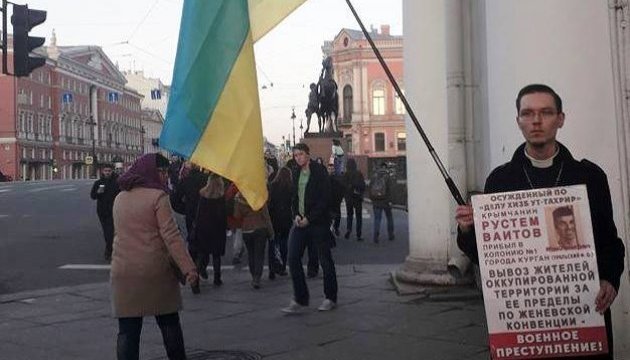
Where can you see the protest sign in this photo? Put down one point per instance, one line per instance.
(539, 273)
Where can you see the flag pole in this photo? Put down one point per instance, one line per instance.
(449, 181)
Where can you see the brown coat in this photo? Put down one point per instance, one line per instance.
(253, 220)
(143, 282)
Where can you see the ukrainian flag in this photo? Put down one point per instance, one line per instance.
(213, 115)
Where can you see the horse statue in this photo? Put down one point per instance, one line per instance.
(328, 98)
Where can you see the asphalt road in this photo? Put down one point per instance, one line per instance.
(48, 227)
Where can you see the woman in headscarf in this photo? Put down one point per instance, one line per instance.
(210, 227)
(147, 246)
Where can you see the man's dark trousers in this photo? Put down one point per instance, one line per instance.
(378, 215)
(107, 222)
(297, 243)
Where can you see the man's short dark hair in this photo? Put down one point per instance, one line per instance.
(562, 211)
(538, 88)
(107, 166)
(302, 147)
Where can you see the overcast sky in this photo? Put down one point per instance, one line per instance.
(143, 34)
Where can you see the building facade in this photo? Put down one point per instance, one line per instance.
(67, 116)
(155, 93)
(152, 122)
(371, 115)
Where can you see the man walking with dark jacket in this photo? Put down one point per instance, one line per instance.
(104, 191)
(311, 205)
(380, 192)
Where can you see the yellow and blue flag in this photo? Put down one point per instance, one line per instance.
(213, 117)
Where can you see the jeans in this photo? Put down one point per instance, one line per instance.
(378, 215)
(336, 212)
(129, 329)
(107, 223)
(320, 235)
(256, 242)
(354, 207)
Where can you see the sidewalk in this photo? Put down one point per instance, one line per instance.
(371, 322)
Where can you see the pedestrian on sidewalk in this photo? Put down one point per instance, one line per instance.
(355, 187)
(104, 191)
(234, 225)
(380, 192)
(280, 197)
(210, 228)
(257, 230)
(543, 162)
(187, 192)
(337, 191)
(146, 247)
(311, 206)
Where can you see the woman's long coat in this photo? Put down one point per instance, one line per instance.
(142, 278)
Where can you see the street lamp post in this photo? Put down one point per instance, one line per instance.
(301, 129)
(293, 120)
(92, 124)
(142, 132)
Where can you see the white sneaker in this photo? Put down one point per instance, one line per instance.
(294, 308)
(327, 305)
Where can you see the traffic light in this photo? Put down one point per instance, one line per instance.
(23, 20)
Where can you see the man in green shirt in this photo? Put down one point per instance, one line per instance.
(311, 205)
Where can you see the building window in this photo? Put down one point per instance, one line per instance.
(29, 122)
(401, 140)
(378, 101)
(379, 142)
(400, 107)
(347, 103)
(348, 138)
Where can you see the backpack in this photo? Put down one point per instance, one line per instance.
(378, 188)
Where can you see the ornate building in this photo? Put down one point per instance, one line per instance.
(68, 116)
(371, 114)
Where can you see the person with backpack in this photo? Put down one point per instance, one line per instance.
(380, 192)
(355, 187)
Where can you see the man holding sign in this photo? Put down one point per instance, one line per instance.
(542, 162)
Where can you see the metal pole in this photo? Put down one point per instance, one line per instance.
(449, 182)
(5, 33)
(293, 120)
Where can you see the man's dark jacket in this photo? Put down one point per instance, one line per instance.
(105, 201)
(317, 195)
(512, 177)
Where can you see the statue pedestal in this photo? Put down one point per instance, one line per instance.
(320, 144)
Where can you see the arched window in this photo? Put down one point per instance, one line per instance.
(347, 103)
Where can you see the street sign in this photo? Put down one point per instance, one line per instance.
(89, 160)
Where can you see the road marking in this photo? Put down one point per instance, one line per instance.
(5, 190)
(3, 216)
(85, 267)
(49, 188)
(71, 189)
(108, 267)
